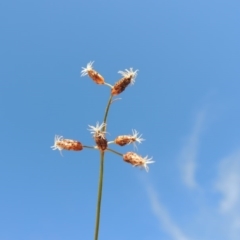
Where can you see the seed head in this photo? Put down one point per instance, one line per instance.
(101, 143)
(94, 75)
(127, 139)
(136, 160)
(99, 136)
(128, 77)
(67, 144)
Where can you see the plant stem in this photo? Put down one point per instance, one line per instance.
(109, 85)
(100, 182)
(99, 199)
(106, 112)
(90, 147)
(118, 153)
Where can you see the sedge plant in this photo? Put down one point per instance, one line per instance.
(99, 133)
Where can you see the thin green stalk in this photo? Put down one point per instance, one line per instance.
(99, 199)
(106, 111)
(89, 147)
(113, 151)
(109, 85)
(100, 182)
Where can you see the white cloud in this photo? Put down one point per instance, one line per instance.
(228, 184)
(211, 217)
(188, 156)
(164, 218)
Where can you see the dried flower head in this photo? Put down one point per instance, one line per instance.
(99, 136)
(136, 160)
(94, 75)
(101, 143)
(60, 143)
(128, 77)
(127, 139)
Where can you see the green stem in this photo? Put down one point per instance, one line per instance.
(106, 112)
(90, 147)
(118, 153)
(99, 199)
(109, 85)
(100, 182)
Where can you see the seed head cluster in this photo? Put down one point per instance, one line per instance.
(99, 131)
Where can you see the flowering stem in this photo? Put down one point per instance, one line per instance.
(100, 182)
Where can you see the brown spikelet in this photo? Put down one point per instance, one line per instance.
(68, 144)
(127, 139)
(96, 77)
(101, 142)
(120, 86)
(133, 158)
(123, 140)
(93, 74)
(136, 160)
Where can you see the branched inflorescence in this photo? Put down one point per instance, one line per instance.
(99, 131)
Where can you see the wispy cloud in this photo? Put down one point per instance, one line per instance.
(228, 184)
(164, 218)
(188, 155)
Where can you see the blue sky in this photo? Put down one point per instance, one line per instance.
(185, 102)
